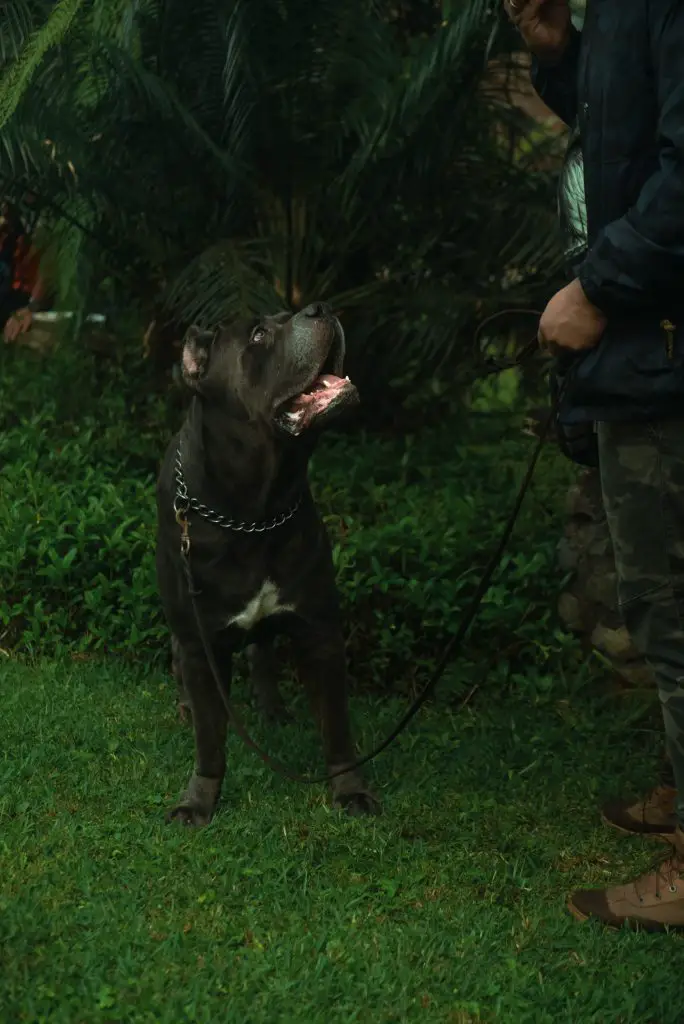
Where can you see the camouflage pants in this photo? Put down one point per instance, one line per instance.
(642, 477)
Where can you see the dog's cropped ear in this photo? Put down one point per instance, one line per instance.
(196, 348)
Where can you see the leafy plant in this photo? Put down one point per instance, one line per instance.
(412, 522)
(205, 159)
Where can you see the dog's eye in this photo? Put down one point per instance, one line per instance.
(258, 335)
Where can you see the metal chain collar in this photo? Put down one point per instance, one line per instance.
(184, 501)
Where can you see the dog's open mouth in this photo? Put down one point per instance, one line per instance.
(326, 397)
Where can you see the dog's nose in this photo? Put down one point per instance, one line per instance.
(317, 309)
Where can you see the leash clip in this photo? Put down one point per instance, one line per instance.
(181, 505)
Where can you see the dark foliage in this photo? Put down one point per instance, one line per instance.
(225, 155)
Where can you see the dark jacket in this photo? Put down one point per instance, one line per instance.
(621, 81)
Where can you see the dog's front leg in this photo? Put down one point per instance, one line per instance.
(184, 711)
(210, 721)
(321, 663)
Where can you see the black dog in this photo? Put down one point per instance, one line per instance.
(261, 391)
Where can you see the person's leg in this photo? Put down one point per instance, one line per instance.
(651, 814)
(642, 477)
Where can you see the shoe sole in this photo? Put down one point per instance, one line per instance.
(577, 914)
(632, 923)
(667, 836)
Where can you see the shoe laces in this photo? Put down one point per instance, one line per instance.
(656, 799)
(668, 871)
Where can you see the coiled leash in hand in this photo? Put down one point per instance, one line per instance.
(453, 646)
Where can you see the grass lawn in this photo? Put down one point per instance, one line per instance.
(450, 907)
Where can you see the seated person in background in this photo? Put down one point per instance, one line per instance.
(22, 289)
(11, 231)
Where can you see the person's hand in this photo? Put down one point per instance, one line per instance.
(19, 323)
(571, 321)
(544, 25)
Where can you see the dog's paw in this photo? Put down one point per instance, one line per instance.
(192, 815)
(359, 805)
(196, 805)
(353, 796)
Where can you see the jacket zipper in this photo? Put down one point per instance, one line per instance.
(669, 329)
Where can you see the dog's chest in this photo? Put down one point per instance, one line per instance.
(265, 603)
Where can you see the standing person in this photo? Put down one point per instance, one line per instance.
(620, 83)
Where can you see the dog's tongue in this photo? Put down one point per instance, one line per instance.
(328, 393)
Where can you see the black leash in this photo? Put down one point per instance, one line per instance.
(454, 644)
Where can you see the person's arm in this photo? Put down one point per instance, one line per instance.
(639, 258)
(556, 83)
(22, 319)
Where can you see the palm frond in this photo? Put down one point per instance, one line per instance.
(224, 283)
(140, 90)
(235, 155)
(15, 28)
(18, 76)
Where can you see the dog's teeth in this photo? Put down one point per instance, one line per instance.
(326, 383)
(294, 415)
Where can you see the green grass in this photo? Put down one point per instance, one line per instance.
(450, 907)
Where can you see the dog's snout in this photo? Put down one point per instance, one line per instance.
(317, 309)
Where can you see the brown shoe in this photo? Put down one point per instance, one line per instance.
(654, 902)
(653, 815)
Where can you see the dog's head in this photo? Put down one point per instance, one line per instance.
(286, 368)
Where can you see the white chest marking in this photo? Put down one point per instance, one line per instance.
(265, 603)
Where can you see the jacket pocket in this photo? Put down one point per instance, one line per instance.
(639, 365)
